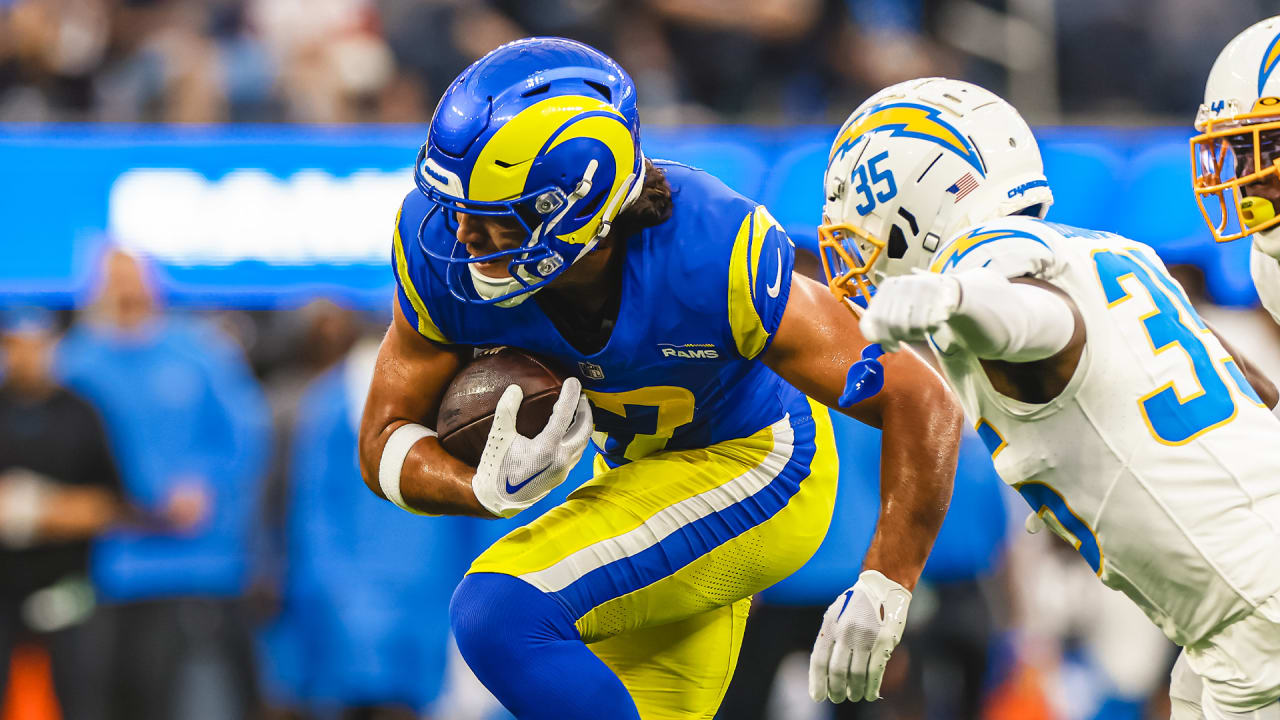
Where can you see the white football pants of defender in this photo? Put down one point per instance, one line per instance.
(1206, 683)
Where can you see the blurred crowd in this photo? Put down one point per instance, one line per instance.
(240, 568)
(337, 61)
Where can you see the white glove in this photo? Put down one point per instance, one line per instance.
(859, 631)
(515, 471)
(909, 307)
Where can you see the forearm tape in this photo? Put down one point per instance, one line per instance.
(391, 465)
(1002, 320)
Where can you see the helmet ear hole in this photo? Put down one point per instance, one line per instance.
(897, 243)
(591, 205)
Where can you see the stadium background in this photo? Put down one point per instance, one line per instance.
(252, 153)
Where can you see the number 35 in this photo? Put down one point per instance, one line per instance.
(867, 175)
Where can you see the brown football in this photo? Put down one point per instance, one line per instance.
(466, 411)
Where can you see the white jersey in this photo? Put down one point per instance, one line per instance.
(1266, 278)
(1158, 461)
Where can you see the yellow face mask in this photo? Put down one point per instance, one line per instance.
(848, 253)
(1219, 155)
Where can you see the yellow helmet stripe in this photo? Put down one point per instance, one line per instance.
(517, 143)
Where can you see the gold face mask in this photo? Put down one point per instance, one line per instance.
(848, 254)
(1231, 161)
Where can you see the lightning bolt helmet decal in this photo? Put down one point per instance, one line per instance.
(1269, 59)
(904, 119)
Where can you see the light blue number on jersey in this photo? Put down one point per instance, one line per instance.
(866, 176)
(1045, 500)
(1174, 419)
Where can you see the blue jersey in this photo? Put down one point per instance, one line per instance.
(702, 296)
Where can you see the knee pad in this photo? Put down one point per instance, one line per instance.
(522, 644)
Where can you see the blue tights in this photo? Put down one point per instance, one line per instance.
(523, 645)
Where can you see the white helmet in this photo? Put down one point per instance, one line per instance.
(913, 165)
(1234, 148)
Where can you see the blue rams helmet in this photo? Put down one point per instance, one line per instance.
(543, 131)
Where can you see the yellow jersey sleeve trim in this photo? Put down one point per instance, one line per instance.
(426, 326)
(744, 322)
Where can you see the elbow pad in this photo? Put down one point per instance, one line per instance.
(1001, 320)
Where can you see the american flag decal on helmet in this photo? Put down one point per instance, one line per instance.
(963, 186)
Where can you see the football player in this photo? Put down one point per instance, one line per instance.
(1236, 176)
(539, 223)
(1129, 427)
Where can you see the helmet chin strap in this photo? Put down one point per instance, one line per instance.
(636, 180)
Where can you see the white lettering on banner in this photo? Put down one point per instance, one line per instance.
(181, 217)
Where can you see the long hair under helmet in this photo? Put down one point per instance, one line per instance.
(541, 130)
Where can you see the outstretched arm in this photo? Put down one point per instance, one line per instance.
(1028, 333)
(1262, 384)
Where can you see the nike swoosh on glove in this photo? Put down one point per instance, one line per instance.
(516, 471)
(859, 632)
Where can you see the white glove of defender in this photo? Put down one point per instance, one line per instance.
(909, 307)
(859, 631)
(515, 471)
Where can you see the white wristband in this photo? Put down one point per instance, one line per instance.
(392, 462)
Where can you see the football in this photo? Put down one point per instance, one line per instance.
(466, 411)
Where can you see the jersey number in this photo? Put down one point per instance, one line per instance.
(1052, 508)
(865, 176)
(664, 408)
(1173, 417)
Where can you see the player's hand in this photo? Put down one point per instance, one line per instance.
(859, 631)
(909, 307)
(515, 471)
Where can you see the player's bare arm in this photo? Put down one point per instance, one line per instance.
(816, 343)
(1262, 384)
(408, 381)
(920, 419)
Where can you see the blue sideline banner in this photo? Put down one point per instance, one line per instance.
(273, 216)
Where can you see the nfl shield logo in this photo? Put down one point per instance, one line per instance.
(591, 371)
